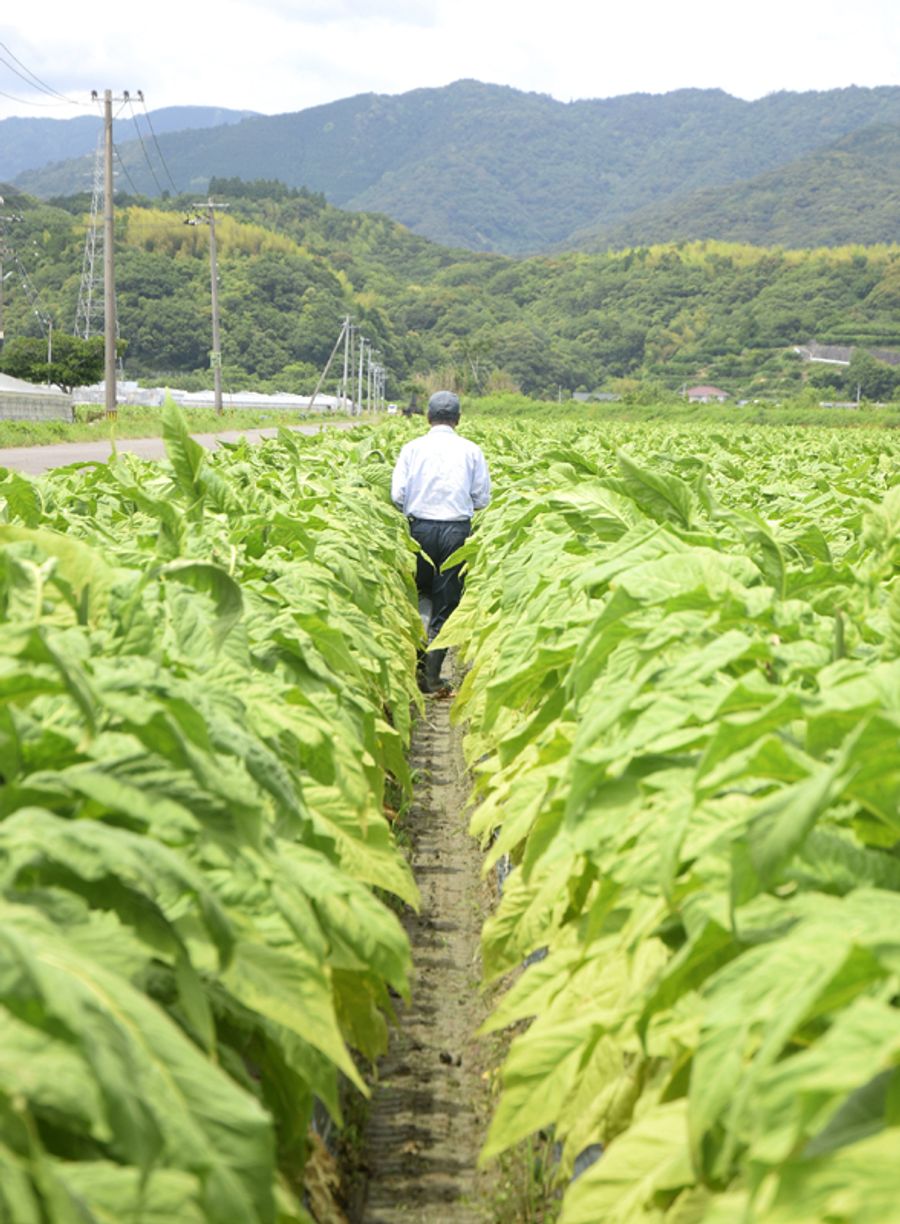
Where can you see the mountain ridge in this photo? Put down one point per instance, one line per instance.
(28, 144)
(492, 168)
(852, 186)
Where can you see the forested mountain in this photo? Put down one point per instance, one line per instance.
(26, 144)
(846, 193)
(491, 168)
(291, 267)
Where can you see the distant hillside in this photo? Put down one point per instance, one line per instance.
(292, 268)
(26, 144)
(847, 193)
(493, 169)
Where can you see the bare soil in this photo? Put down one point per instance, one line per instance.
(430, 1107)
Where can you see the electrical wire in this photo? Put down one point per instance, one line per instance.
(124, 100)
(25, 101)
(137, 129)
(34, 297)
(35, 81)
(124, 169)
(156, 142)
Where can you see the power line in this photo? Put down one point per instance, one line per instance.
(125, 99)
(25, 101)
(32, 79)
(124, 169)
(215, 356)
(144, 149)
(33, 295)
(155, 141)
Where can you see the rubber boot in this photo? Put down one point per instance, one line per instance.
(433, 663)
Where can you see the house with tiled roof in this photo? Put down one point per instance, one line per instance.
(705, 394)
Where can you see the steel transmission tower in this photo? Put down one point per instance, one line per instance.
(90, 294)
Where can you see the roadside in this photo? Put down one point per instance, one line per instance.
(33, 460)
(430, 1106)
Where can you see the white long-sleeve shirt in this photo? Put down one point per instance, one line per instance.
(442, 476)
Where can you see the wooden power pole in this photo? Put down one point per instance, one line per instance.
(110, 324)
(215, 356)
(109, 267)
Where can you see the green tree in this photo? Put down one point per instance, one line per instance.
(874, 379)
(74, 362)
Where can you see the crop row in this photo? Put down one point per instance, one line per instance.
(683, 717)
(205, 683)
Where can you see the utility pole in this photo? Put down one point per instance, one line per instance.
(346, 361)
(215, 356)
(359, 393)
(110, 326)
(344, 326)
(109, 267)
(354, 333)
(374, 380)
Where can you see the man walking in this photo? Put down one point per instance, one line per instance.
(439, 480)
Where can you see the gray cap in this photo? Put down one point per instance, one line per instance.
(443, 406)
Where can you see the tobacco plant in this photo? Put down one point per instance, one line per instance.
(206, 670)
(683, 716)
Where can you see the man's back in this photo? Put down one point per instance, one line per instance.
(439, 481)
(441, 476)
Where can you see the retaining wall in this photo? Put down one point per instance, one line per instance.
(32, 406)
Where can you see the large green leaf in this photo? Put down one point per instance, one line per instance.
(647, 1164)
(186, 456)
(82, 575)
(163, 1100)
(213, 581)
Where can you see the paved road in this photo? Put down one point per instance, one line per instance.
(36, 459)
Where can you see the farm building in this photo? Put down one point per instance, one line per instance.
(25, 401)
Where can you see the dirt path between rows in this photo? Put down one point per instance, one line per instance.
(429, 1111)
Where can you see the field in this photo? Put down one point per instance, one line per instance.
(683, 720)
(679, 654)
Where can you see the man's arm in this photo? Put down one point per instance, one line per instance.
(398, 481)
(481, 483)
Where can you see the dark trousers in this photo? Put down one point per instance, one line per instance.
(438, 540)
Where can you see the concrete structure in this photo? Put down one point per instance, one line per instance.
(828, 354)
(840, 354)
(25, 401)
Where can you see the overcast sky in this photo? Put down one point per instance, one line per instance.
(284, 55)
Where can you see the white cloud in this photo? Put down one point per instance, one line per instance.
(284, 55)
